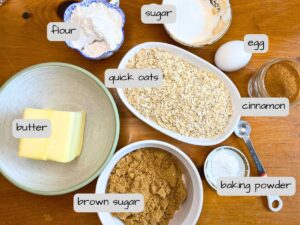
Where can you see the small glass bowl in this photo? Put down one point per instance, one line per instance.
(256, 85)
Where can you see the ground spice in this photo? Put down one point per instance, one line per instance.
(155, 174)
(283, 80)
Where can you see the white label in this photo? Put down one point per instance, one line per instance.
(133, 78)
(108, 203)
(256, 186)
(263, 107)
(256, 43)
(158, 14)
(31, 128)
(62, 31)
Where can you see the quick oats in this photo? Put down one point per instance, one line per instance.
(192, 101)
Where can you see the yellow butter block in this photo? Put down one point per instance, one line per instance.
(65, 142)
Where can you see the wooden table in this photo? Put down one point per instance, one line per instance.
(23, 43)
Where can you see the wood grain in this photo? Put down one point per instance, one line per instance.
(23, 43)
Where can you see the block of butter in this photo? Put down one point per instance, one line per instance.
(65, 141)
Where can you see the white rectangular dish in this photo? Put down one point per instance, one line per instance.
(199, 62)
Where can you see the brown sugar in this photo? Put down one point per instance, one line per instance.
(157, 175)
(283, 80)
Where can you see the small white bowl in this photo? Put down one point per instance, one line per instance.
(189, 211)
(226, 15)
(202, 64)
(213, 153)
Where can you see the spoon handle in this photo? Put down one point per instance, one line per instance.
(259, 166)
(274, 199)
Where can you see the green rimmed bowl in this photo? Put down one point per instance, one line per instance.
(58, 86)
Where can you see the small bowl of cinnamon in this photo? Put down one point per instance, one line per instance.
(277, 78)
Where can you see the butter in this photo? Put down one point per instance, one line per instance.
(65, 142)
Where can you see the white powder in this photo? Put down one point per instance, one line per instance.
(197, 21)
(100, 29)
(226, 163)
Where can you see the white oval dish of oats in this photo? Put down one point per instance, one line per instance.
(200, 129)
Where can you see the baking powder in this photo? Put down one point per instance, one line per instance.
(226, 163)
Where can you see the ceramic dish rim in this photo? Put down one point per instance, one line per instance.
(156, 144)
(239, 152)
(114, 144)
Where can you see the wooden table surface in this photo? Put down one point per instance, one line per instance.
(23, 43)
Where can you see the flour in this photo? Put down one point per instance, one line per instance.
(100, 29)
(226, 163)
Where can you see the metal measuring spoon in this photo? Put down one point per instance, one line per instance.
(243, 131)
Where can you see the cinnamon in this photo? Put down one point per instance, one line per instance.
(283, 80)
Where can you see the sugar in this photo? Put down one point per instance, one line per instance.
(197, 21)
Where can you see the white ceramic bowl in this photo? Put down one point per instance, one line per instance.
(226, 13)
(201, 63)
(66, 87)
(189, 212)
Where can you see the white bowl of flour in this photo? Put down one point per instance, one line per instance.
(101, 27)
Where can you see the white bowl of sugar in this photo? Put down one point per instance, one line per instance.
(199, 22)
